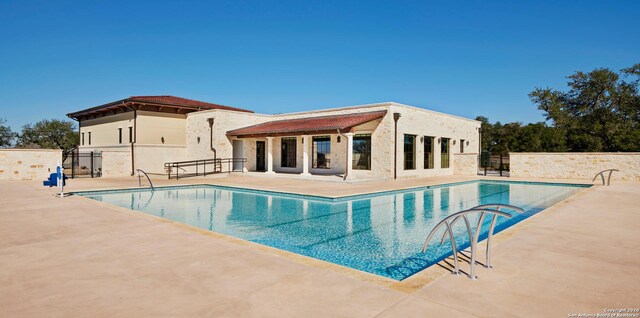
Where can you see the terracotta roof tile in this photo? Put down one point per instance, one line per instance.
(174, 100)
(309, 125)
(190, 105)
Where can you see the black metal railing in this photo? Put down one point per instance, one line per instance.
(82, 164)
(203, 167)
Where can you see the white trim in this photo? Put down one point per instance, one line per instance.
(326, 110)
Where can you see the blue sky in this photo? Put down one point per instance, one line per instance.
(465, 58)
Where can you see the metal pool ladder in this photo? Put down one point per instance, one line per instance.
(449, 222)
(148, 179)
(601, 174)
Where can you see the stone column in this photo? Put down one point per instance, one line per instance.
(349, 156)
(270, 155)
(305, 155)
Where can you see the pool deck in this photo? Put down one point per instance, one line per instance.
(75, 257)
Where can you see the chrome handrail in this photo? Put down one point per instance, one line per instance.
(148, 179)
(601, 174)
(493, 225)
(497, 207)
(450, 221)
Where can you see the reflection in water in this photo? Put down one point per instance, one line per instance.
(381, 234)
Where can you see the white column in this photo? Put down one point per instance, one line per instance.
(270, 155)
(305, 155)
(349, 156)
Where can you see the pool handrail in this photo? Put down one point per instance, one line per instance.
(148, 179)
(473, 235)
(497, 207)
(601, 174)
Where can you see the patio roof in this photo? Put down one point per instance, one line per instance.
(161, 103)
(308, 125)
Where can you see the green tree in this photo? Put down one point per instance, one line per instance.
(539, 137)
(49, 134)
(6, 135)
(516, 137)
(600, 112)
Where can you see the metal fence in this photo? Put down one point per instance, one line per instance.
(493, 164)
(203, 167)
(79, 164)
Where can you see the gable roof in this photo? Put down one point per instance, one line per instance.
(308, 125)
(165, 103)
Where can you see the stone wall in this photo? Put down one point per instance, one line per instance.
(116, 163)
(465, 164)
(575, 165)
(426, 123)
(414, 121)
(199, 135)
(28, 164)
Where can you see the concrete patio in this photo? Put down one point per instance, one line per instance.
(75, 257)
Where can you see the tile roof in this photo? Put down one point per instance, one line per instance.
(309, 125)
(189, 105)
(174, 100)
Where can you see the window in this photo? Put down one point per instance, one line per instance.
(89, 138)
(361, 152)
(409, 152)
(83, 139)
(288, 155)
(428, 152)
(444, 153)
(461, 145)
(130, 135)
(119, 135)
(321, 151)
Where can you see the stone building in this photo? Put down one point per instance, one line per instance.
(374, 141)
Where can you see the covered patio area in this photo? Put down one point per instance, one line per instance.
(311, 146)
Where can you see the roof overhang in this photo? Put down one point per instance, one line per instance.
(318, 125)
(146, 104)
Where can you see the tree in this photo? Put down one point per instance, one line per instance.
(6, 135)
(50, 134)
(600, 112)
(539, 137)
(499, 139)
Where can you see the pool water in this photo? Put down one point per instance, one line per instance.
(380, 233)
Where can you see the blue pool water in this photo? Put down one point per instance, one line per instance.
(379, 233)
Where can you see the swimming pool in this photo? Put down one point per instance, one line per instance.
(380, 233)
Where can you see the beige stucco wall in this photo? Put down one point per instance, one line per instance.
(564, 165)
(150, 128)
(116, 163)
(104, 130)
(28, 164)
(148, 157)
(151, 158)
(150, 153)
(465, 164)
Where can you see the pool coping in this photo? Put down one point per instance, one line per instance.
(407, 285)
(329, 197)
